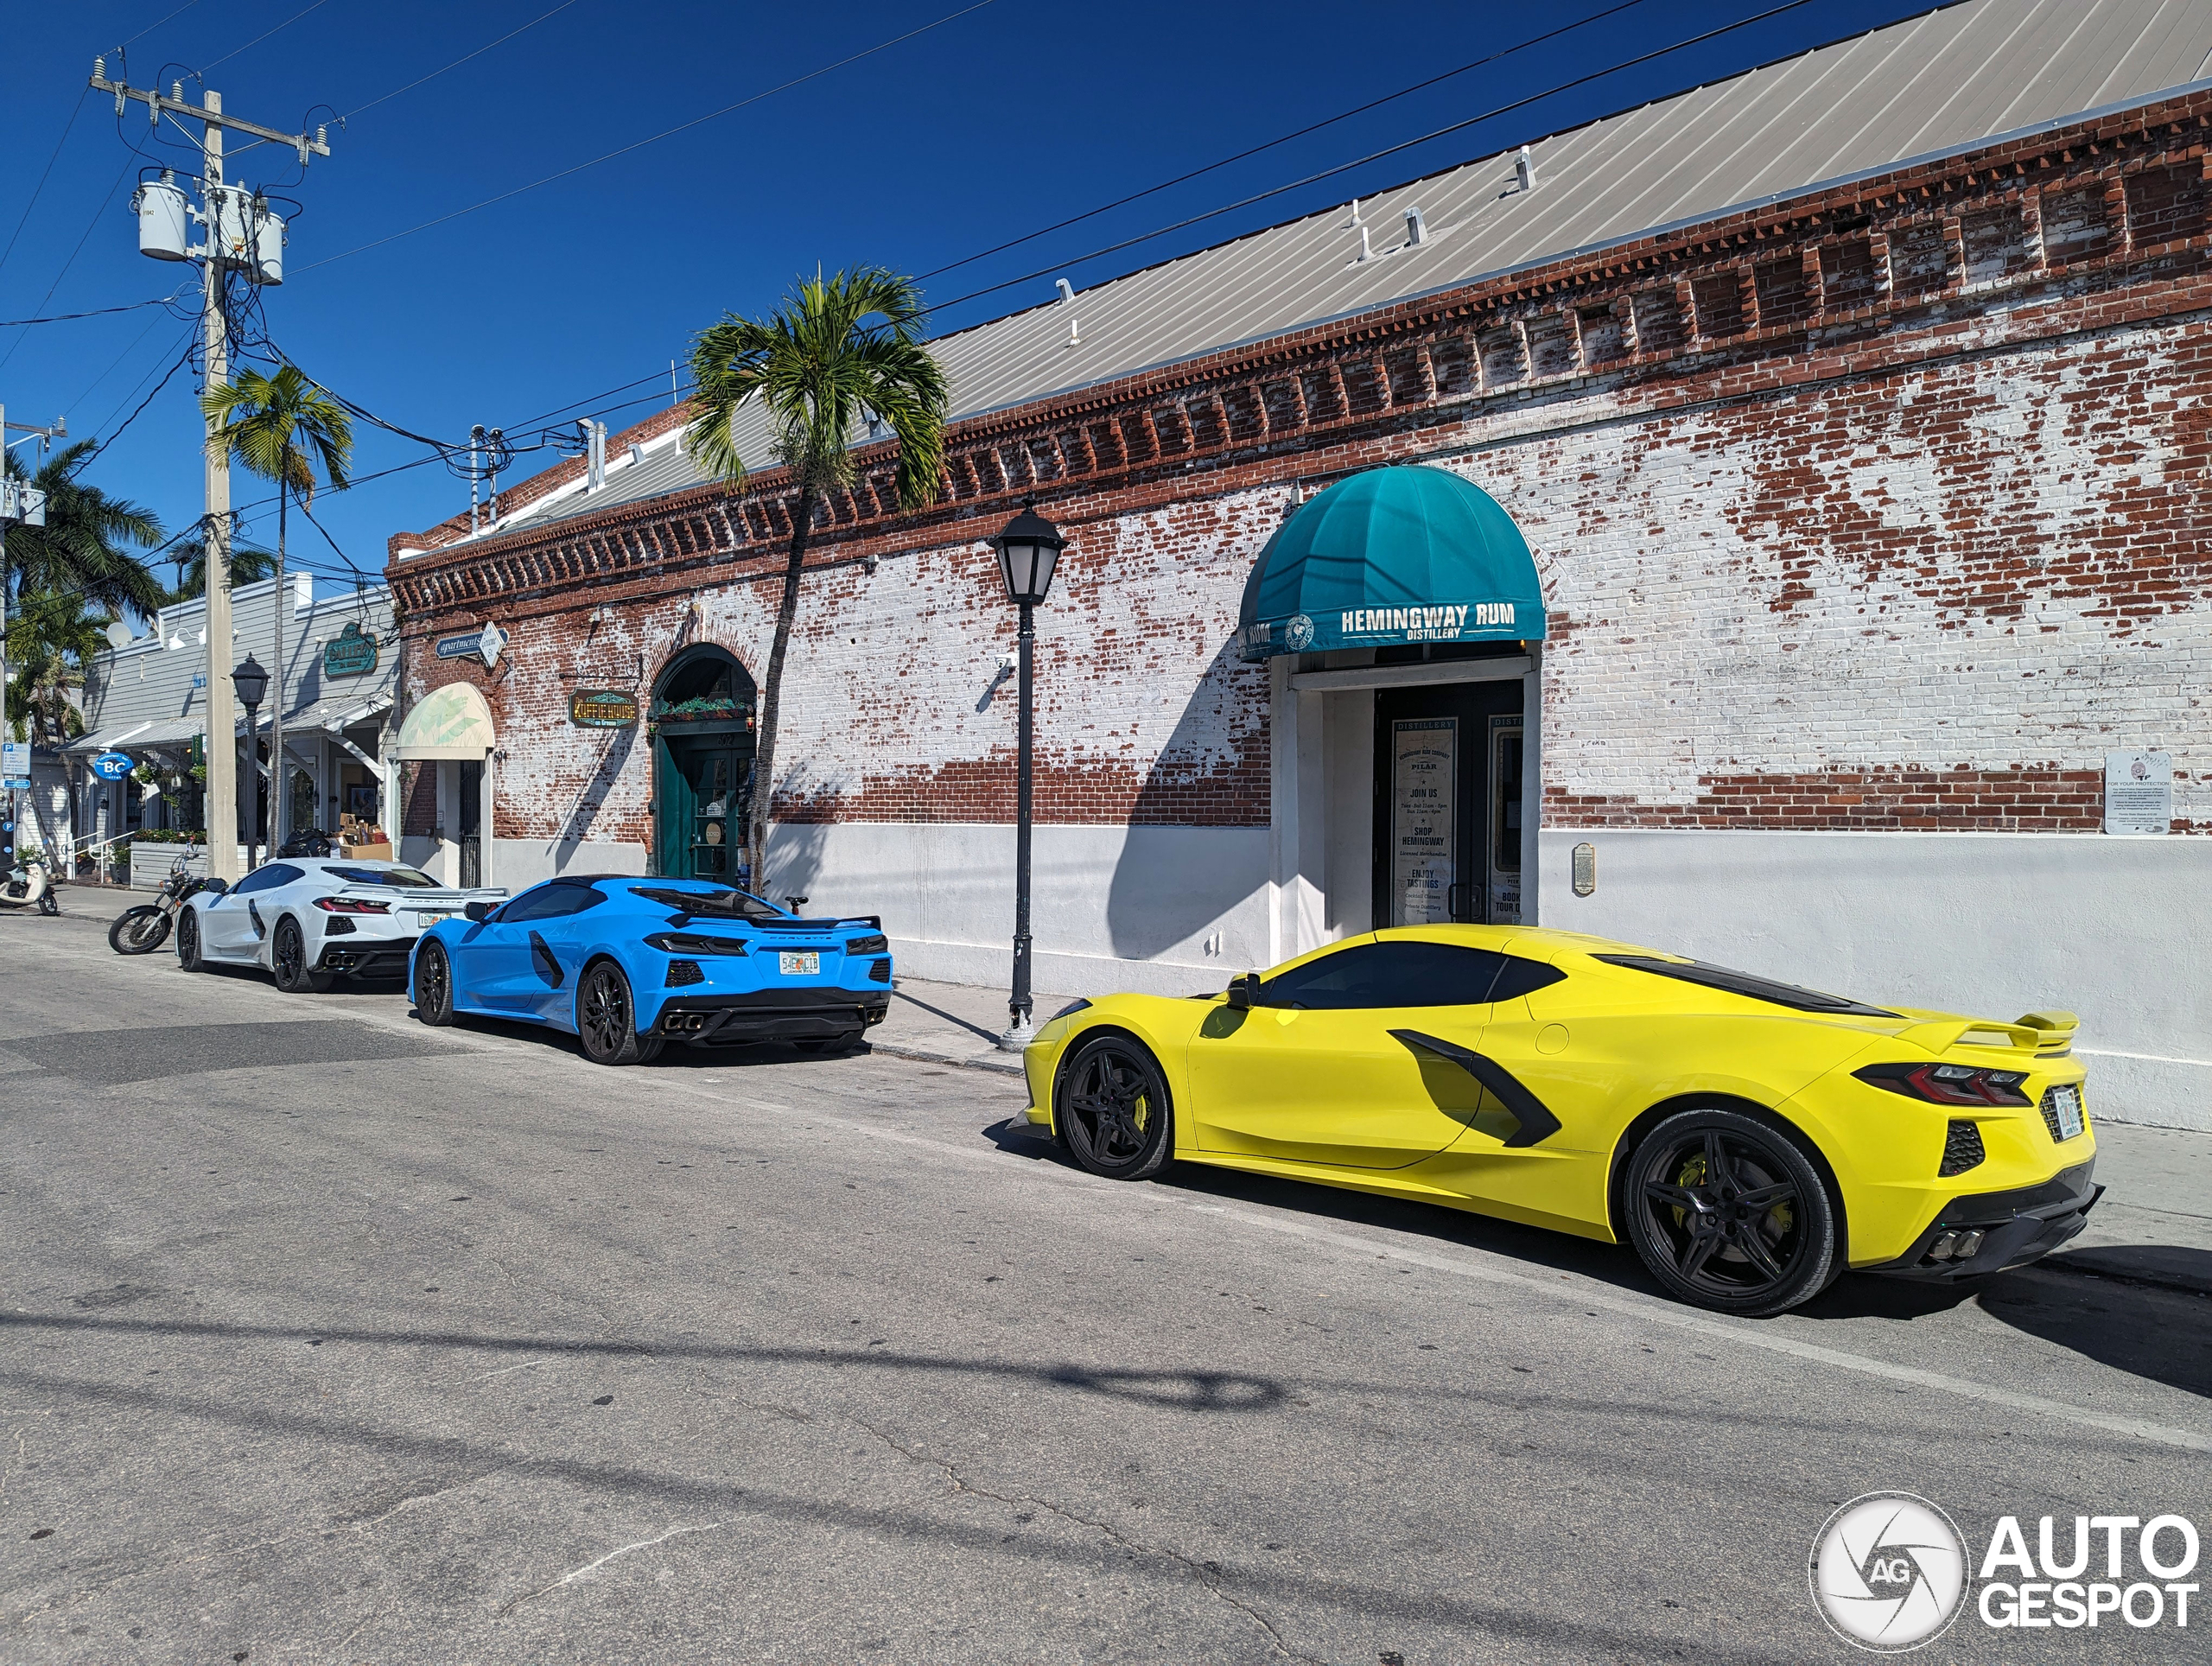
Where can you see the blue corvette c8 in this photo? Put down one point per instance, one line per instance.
(627, 965)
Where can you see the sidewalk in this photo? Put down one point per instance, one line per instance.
(953, 1024)
(2153, 1225)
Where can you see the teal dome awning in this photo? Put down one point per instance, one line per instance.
(1393, 555)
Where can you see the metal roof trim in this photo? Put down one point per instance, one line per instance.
(1747, 205)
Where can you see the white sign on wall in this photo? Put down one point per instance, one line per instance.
(2139, 791)
(1424, 757)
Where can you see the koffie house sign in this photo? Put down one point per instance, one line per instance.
(602, 708)
(352, 654)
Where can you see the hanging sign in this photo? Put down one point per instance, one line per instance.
(352, 654)
(602, 708)
(113, 765)
(484, 644)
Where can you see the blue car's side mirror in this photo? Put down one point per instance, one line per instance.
(479, 911)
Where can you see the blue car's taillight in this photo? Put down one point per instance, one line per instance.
(877, 944)
(691, 942)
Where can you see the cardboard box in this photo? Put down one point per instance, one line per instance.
(366, 852)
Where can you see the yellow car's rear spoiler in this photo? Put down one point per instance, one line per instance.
(2032, 1032)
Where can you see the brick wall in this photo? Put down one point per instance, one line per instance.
(1879, 508)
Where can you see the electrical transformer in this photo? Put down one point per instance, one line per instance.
(162, 225)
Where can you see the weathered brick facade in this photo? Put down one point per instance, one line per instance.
(1880, 508)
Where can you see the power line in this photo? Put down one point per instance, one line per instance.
(67, 127)
(263, 35)
(157, 23)
(1313, 127)
(457, 62)
(640, 144)
(90, 226)
(1377, 155)
(97, 312)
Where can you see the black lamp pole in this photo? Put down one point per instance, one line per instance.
(250, 682)
(1027, 549)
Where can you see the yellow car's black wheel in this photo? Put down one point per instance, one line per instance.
(1729, 1213)
(1113, 1109)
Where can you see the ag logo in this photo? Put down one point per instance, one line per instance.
(1889, 1572)
(1297, 633)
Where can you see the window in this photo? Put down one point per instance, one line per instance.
(552, 900)
(1519, 977)
(265, 879)
(722, 903)
(401, 878)
(1744, 983)
(1390, 975)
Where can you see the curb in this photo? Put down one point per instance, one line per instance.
(2129, 1266)
(1002, 1065)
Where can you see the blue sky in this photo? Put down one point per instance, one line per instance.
(1007, 117)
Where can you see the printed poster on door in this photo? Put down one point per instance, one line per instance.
(1424, 768)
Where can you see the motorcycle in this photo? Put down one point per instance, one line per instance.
(31, 886)
(142, 929)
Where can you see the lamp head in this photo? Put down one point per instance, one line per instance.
(250, 682)
(1028, 547)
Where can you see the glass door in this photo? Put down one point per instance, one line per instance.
(468, 818)
(1447, 804)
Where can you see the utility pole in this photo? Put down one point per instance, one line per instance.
(238, 229)
(24, 503)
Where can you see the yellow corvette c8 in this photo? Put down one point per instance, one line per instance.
(1751, 1140)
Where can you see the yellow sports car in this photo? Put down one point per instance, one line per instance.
(1751, 1140)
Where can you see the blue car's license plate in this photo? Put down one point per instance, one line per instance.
(804, 963)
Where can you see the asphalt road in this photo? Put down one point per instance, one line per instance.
(328, 1337)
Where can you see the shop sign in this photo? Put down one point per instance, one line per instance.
(484, 643)
(353, 654)
(602, 708)
(113, 765)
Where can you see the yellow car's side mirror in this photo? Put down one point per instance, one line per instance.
(1241, 991)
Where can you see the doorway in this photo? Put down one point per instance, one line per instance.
(468, 816)
(703, 761)
(1448, 834)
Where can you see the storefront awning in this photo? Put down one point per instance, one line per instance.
(1391, 557)
(335, 716)
(142, 736)
(448, 722)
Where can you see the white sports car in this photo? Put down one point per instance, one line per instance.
(309, 919)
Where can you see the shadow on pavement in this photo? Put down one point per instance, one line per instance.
(2146, 1330)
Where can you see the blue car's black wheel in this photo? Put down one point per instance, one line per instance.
(433, 985)
(606, 1019)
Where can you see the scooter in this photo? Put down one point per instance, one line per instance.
(31, 886)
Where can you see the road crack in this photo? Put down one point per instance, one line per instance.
(575, 1574)
(1208, 1575)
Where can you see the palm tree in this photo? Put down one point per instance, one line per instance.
(250, 564)
(841, 351)
(51, 638)
(282, 427)
(81, 549)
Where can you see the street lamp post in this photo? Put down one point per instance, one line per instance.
(251, 682)
(1028, 547)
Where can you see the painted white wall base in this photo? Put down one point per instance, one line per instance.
(1993, 924)
(1156, 909)
(520, 862)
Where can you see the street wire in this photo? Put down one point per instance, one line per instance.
(1377, 155)
(681, 127)
(263, 35)
(157, 23)
(90, 227)
(67, 128)
(1313, 127)
(97, 312)
(457, 62)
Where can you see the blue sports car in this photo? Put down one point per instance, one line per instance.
(629, 964)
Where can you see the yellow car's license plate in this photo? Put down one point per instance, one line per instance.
(799, 963)
(2066, 1110)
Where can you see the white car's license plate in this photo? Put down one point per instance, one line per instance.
(426, 919)
(799, 963)
(2066, 1106)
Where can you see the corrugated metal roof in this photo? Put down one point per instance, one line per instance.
(1933, 84)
